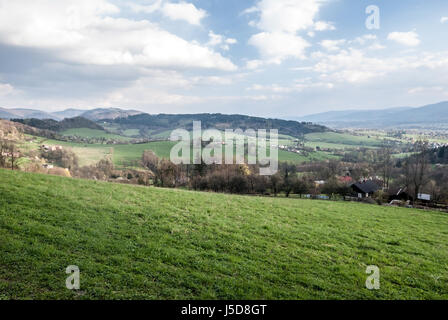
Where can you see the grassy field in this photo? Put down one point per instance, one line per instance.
(135, 242)
(125, 154)
(92, 133)
(341, 140)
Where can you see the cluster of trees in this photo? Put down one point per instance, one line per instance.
(56, 126)
(9, 154)
(414, 173)
(64, 158)
(240, 179)
(168, 121)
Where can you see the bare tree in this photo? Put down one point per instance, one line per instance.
(385, 163)
(416, 168)
(3, 153)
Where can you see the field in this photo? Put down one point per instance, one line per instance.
(341, 140)
(135, 242)
(92, 133)
(129, 154)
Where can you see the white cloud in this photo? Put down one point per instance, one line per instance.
(354, 66)
(280, 21)
(184, 11)
(332, 45)
(298, 86)
(277, 46)
(420, 90)
(287, 15)
(444, 20)
(254, 64)
(87, 32)
(157, 5)
(219, 40)
(410, 38)
(323, 26)
(5, 89)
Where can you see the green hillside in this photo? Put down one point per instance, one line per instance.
(135, 242)
(93, 133)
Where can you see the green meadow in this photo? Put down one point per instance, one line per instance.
(134, 242)
(92, 133)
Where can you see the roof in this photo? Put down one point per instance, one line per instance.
(367, 187)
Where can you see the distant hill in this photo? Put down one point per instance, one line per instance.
(68, 113)
(108, 114)
(434, 115)
(94, 114)
(219, 121)
(25, 114)
(57, 126)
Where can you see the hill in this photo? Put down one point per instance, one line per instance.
(433, 115)
(68, 113)
(108, 114)
(25, 113)
(57, 126)
(135, 242)
(93, 114)
(163, 122)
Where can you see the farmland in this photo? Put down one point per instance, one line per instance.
(135, 242)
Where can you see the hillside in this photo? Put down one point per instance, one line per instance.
(404, 117)
(147, 243)
(57, 126)
(25, 113)
(93, 114)
(163, 122)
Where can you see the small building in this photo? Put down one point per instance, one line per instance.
(424, 197)
(365, 189)
(400, 194)
(345, 179)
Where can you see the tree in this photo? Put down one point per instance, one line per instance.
(385, 163)
(301, 186)
(9, 154)
(275, 183)
(150, 161)
(416, 168)
(3, 153)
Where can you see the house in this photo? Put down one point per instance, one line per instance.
(345, 179)
(365, 189)
(318, 183)
(401, 194)
(46, 148)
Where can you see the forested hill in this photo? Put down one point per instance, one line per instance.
(53, 125)
(218, 121)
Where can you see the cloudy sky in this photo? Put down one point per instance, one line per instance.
(281, 58)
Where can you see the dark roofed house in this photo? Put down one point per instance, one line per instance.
(366, 188)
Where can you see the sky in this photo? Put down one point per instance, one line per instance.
(273, 58)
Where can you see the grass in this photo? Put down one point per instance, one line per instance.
(125, 155)
(343, 140)
(92, 133)
(135, 242)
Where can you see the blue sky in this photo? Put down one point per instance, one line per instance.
(276, 58)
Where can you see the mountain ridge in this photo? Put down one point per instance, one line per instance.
(427, 115)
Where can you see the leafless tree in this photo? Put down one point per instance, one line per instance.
(385, 163)
(416, 168)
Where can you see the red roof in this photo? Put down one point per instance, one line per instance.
(345, 179)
